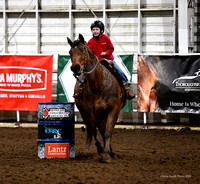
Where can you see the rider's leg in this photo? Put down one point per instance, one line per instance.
(126, 82)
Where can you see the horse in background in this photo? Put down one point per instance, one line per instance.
(148, 86)
(101, 100)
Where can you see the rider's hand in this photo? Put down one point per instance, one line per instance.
(103, 53)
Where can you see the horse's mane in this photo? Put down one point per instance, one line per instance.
(75, 43)
(92, 56)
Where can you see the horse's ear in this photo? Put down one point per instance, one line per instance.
(69, 41)
(81, 38)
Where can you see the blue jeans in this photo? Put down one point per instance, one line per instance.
(121, 73)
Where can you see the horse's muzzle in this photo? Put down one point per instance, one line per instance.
(76, 70)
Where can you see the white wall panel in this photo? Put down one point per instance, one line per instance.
(54, 4)
(127, 4)
(158, 37)
(127, 49)
(157, 3)
(153, 48)
(21, 33)
(58, 19)
(1, 4)
(157, 31)
(1, 24)
(123, 33)
(15, 48)
(54, 30)
(21, 5)
(85, 4)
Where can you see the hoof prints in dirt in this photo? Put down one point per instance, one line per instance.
(150, 156)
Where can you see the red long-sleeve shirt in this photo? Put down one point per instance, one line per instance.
(102, 44)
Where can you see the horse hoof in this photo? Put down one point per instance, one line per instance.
(100, 151)
(113, 156)
(105, 158)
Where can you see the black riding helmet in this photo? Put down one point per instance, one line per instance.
(98, 24)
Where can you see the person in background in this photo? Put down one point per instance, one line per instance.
(102, 47)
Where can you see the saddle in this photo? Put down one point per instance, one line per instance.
(109, 65)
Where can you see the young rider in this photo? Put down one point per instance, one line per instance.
(102, 47)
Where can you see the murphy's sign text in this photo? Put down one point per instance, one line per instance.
(25, 81)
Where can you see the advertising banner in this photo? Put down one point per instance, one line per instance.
(57, 150)
(25, 81)
(66, 80)
(169, 84)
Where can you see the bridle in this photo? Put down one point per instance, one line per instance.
(83, 67)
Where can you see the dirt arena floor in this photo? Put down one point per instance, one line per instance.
(144, 156)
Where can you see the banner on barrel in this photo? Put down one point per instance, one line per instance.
(66, 80)
(25, 81)
(56, 136)
(168, 84)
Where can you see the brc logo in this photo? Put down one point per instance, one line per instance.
(57, 150)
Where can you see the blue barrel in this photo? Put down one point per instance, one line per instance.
(56, 130)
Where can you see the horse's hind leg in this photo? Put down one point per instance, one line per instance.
(100, 149)
(92, 131)
(89, 135)
(112, 154)
(98, 143)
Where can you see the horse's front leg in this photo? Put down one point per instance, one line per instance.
(111, 120)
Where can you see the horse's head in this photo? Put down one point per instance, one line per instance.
(79, 54)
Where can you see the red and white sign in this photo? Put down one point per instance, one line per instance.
(57, 150)
(25, 81)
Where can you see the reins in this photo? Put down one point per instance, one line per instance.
(94, 66)
(92, 69)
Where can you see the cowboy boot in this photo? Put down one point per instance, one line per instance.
(130, 94)
(79, 92)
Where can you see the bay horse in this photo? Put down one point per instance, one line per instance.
(101, 100)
